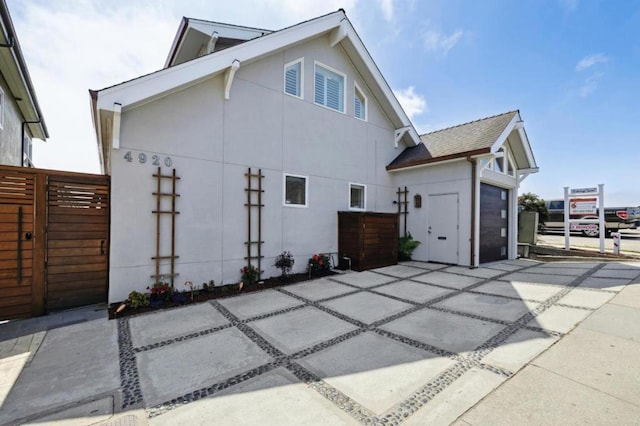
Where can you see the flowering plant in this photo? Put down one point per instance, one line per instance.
(284, 262)
(160, 292)
(249, 274)
(319, 264)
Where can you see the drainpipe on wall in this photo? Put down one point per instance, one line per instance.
(474, 177)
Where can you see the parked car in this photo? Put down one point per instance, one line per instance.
(615, 218)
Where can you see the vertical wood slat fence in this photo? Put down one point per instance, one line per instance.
(54, 247)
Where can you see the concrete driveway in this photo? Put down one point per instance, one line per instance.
(416, 343)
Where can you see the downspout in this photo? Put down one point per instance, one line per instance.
(474, 178)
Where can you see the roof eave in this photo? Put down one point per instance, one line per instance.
(37, 126)
(437, 160)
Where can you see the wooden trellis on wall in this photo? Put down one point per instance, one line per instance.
(254, 211)
(403, 206)
(160, 211)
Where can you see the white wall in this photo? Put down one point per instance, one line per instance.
(212, 142)
(447, 178)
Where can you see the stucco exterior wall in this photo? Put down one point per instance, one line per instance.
(447, 178)
(211, 143)
(11, 131)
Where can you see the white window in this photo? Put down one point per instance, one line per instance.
(293, 78)
(295, 190)
(329, 88)
(27, 152)
(357, 196)
(359, 103)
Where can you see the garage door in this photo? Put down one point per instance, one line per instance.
(494, 223)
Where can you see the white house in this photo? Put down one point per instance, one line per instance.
(307, 108)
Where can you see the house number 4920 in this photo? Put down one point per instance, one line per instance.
(142, 158)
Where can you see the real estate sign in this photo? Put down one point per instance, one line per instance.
(583, 206)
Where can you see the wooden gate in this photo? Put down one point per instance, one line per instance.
(54, 229)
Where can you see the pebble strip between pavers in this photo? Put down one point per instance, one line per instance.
(132, 392)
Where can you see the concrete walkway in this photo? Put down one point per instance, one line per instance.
(416, 343)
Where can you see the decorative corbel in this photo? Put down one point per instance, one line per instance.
(228, 78)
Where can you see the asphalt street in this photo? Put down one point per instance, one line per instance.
(630, 243)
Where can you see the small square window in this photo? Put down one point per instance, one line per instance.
(503, 195)
(293, 78)
(357, 195)
(359, 103)
(329, 88)
(295, 190)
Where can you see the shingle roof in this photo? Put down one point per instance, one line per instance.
(470, 138)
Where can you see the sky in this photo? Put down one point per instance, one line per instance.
(572, 68)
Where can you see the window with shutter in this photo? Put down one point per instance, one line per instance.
(329, 88)
(359, 103)
(293, 78)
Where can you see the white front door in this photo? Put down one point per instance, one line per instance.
(442, 228)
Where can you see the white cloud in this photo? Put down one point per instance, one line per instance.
(435, 41)
(590, 85)
(387, 9)
(591, 60)
(413, 103)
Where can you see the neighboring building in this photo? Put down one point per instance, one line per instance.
(20, 116)
(308, 107)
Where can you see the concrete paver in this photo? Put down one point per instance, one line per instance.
(319, 289)
(474, 272)
(346, 350)
(495, 307)
(609, 284)
(399, 271)
(451, 332)
(375, 371)
(533, 278)
(276, 397)
(253, 304)
(160, 326)
(170, 371)
(519, 290)
(365, 278)
(410, 290)
(299, 329)
(367, 307)
(447, 280)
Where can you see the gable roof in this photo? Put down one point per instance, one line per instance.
(484, 136)
(16, 75)
(193, 33)
(107, 103)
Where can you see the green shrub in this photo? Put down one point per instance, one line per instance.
(284, 262)
(406, 246)
(138, 300)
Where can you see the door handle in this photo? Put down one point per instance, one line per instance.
(102, 247)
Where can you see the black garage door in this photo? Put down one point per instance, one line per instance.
(494, 223)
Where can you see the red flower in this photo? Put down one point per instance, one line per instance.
(315, 257)
(321, 262)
